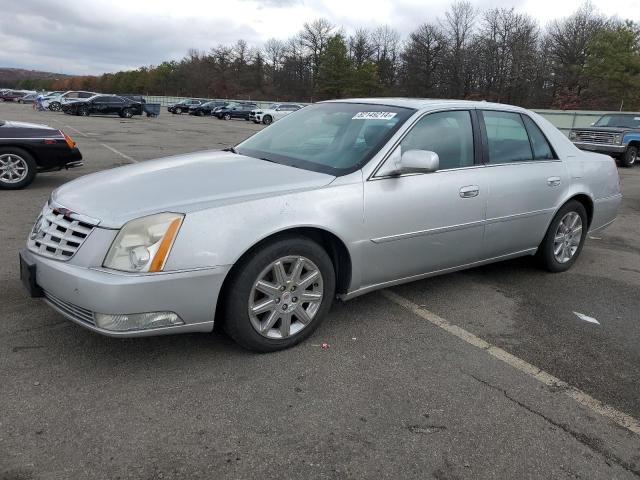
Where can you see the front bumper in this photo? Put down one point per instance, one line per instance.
(600, 147)
(79, 292)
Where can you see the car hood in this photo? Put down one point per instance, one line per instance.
(181, 184)
(12, 124)
(603, 129)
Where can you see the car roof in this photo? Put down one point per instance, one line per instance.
(429, 103)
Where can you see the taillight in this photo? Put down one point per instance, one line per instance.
(69, 140)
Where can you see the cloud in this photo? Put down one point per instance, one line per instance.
(96, 36)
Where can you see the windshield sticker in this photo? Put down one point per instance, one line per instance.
(373, 116)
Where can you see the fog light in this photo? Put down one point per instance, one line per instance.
(137, 321)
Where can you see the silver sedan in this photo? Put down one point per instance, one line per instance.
(335, 200)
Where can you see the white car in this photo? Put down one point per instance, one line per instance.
(273, 113)
(55, 102)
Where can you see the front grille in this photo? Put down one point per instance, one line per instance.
(71, 310)
(57, 234)
(606, 138)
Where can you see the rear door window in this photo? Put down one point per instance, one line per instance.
(541, 148)
(506, 137)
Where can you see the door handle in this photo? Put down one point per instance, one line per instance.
(469, 191)
(553, 181)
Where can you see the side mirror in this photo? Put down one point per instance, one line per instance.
(419, 161)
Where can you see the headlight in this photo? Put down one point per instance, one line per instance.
(572, 135)
(259, 113)
(617, 138)
(143, 245)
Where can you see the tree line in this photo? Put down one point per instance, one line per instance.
(586, 60)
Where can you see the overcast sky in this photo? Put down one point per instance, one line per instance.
(96, 36)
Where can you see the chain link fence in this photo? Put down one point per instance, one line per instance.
(564, 120)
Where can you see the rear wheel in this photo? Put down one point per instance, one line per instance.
(17, 168)
(278, 296)
(565, 238)
(267, 120)
(630, 157)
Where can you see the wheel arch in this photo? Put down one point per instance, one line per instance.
(586, 202)
(334, 246)
(26, 148)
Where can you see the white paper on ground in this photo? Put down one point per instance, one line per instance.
(586, 318)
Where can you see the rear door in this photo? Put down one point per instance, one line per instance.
(526, 182)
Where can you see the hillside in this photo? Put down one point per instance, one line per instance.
(14, 77)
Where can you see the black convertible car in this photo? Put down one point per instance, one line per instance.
(104, 105)
(27, 148)
(206, 108)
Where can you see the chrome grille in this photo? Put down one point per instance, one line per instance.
(588, 136)
(69, 309)
(57, 234)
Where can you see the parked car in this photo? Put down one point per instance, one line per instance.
(183, 106)
(338, 198)
(26, 149)
(12, 95)
(206, 108)
(273, 113)
(615, 134)
(28, 98)
(239, 110)
(55, 102)
(104, 105)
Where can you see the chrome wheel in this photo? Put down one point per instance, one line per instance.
(286, 297)
(13, 168)
(567, 238)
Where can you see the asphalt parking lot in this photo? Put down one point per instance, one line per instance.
(415, 383)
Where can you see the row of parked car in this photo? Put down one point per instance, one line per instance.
(226, 110)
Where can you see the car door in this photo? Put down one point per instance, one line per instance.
(526, 183)
(422, 223)
(99, 105)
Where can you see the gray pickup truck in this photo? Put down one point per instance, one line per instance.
(615, 134)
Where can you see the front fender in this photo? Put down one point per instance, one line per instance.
(219, 236)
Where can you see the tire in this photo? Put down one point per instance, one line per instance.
(630, 157)
(179, 111)
(83, 112)
(240, 293)
(267, 120)
(226, 116)
(55, 106)
(549, 246)
(10, 154)
(127, 113)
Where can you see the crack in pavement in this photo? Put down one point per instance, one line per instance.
(591, 443)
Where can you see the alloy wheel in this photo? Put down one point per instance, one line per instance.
(286, 297)
(13, 168)
(567, 237)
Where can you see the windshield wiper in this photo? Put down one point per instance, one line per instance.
(230, 149)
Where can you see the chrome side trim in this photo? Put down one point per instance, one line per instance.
(462, 226)
(378, 286)
(431, 231)
(520, 215)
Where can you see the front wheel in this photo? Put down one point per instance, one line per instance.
(127, 113)
(278, 295)
(267, 120)
(55, 106)
(227, 116)
(84, 112)
(17, 168)
(565, 238)
(630, 157)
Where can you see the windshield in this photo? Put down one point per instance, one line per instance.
(624, 121)
(333, 138)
